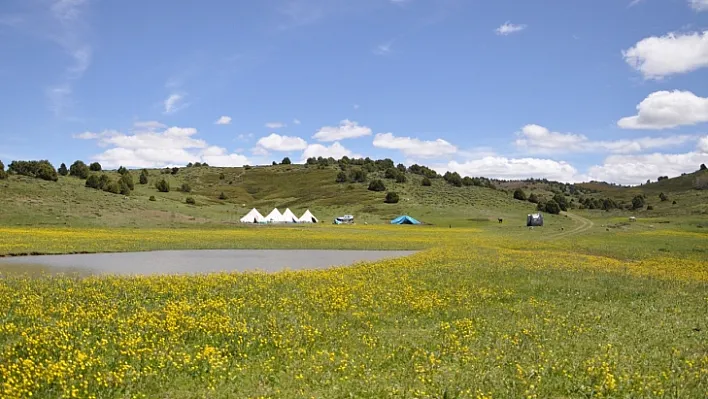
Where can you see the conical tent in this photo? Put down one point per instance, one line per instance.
(274, 216)
(308, 217)
(405, 219)
(289, 216)
(253, 216)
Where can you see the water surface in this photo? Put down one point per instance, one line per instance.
(191, 262)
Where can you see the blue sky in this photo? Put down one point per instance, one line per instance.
(609, 90)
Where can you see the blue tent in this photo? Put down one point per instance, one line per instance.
(405, 219)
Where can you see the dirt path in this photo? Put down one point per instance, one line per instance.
(582, 226)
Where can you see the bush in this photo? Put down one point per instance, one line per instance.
(3, 174)
(552, 207)
(95, 167)
(93, 182)
(176, 169)
(222, 176)
(561, 201)
(638, 202)
(128, 180)
(143, 177)
(467, 181)
(223, 196)
(190, 201)
(122, 170)
(103, 182)
(189, 165)
(274, 163)
(391, 198)
(453, 178)
(186, 188)
(650, 208)
(533, 198)
(357, 176)
(113, 187)
(391, 173)
(79, 169)
(673, 203)
(152, 198)
(286, 161)
(124, 187)
(426, 182)
(247, 167)
(341, 177)
(703, 167)
(38, 169)
(63, 171)
(197, 164)
(377, 185)
(663, 197)
(400, 178)
(401, 168)
(163, 186)
(520, 195)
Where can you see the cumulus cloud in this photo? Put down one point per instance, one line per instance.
(517, 168)
(275, 125)
(699, 5)
(703, 145)
(224, 120)
(276, 142)
(414, 147)
(336, 151)
(346, 130)
(667, 109)
(538, 139)
(636, 169)
(508, 28)
(151, 148)
(675, 53)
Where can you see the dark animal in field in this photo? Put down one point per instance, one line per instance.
(501, 220)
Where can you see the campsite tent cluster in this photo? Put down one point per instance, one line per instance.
(276, 217)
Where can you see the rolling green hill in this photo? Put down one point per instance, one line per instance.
(223, 195)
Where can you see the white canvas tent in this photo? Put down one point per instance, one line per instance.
(535, 219)
(308, 217)
(274, 216)
(253, 217)
(289, 216)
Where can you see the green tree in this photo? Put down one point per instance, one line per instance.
(122, 170)
(467, 181)
(391, 173)
(95, 167)
(533, 198)
(520, 195)
(391, 198)
(400, 177)
(186, 188)
(638, 202)
(113, 187)
(93, 182)
(401, 168)
(176, 169)
(552, 207)
(3, 174)
(128, 180)
(163, 186)
(561, 201)
(426, 182)
(286, 161)
(152, 198)
(103, 182)
(79, 169)
(703, 167)
(63, 171)
(663, 197)
(143, 177)
(342, 177)
(190, 201)
(124, 187)
(377, 185)
(357, 176)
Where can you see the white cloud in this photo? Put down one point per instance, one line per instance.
(86, 136)
(174, 103)
(675, 53)
(636, 169)
(335, 151)
(276, 142)
(508, 28)
(275, 125)
(224, 120)
(150, 149)
(414, 147)
(346, 130)
(703, 145)
(517, 168)
(539, 140)
(148, 125)
(384, 48)
(699, 5)
(356, 106)
(296, 121)
(667, 109)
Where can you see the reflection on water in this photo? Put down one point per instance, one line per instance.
(189, 262)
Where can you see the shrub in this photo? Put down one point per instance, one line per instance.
(467, 181)
(197, 164)
(38, 169)
(247, 167)
(222, 176)
(124, 187)
(391, 173)
(186, 188)
(189, 165)
(274, 163)
(3, 174)
(79, 169)
(93, 181)
(663, 197)
(190, 201)
(377, 185)
(561, 201)
(122, 170)
(143, 177)
(223, 196)
(453, 178)
(357, 176)
(673, 203)
(63, 171)
(520, 195)
(703, 167)
(638, 202)
(163, 186)
(401, 168)
(113, 187)
(342, 177)
(95, 167)
(533, 198)
(176, 169)
(286, 161)
(103, 182)
(152, 198)
(391, 198)
(426, 182)
(552, 207)
(128, 180)
(650, 208)
(400, 178)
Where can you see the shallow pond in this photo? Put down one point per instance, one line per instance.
(191, 262)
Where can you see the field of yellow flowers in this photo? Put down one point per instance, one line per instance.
(471, 316)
